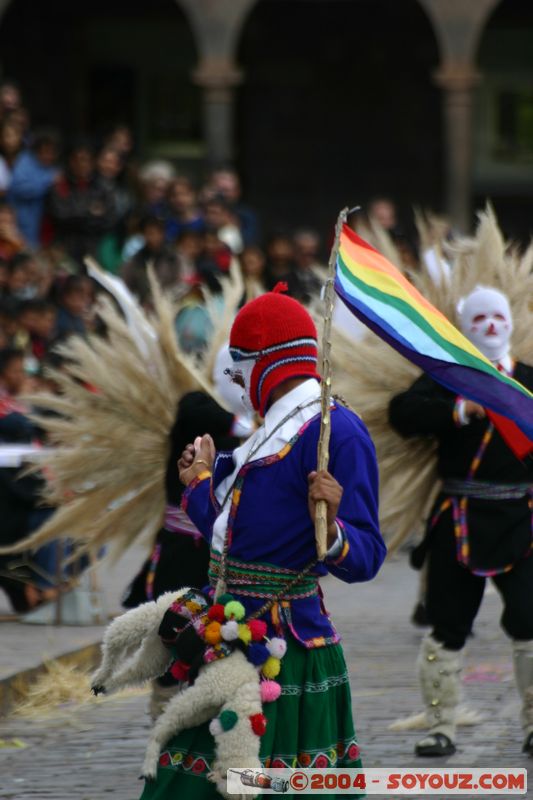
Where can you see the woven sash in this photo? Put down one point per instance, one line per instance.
(264, 581)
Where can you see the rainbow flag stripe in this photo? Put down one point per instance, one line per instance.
(381, 297)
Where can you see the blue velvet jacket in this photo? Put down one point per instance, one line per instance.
(270, 523)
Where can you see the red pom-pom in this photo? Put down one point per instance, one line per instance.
(216, 613)
(258, 628)
(259, 724)
(281, 287)
(180, 671)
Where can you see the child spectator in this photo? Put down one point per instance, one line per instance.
(253, 262)
(183, 211)
(19, 278)
(12, 375)
(220, 218)
(189, 247)
(39, 319)
(156, 253)
(82, 210)
(74, 302)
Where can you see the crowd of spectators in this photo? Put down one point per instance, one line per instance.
(62, 201)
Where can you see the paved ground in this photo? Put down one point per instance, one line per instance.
(23, 646)
(96, 751)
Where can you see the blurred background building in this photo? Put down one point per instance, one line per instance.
(315, 102)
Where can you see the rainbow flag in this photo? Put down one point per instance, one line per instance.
(381, 297)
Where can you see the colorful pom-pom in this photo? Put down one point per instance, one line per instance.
(216, 612)
(230, 631)
(270, 691)
(258, 628)
(228, 719)
(259, 724)
(225, 598)
(277, 647)
(234, 609)
(212, 633)
(245, 634)
(271, 667)
(193, 606)
(215, 728)
(180, 671)
(257, 653)
(209, 655)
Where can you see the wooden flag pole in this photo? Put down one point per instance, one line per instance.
(321, 521)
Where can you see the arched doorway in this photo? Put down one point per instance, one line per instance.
(503, 167)
(85, 66)
(338, 105)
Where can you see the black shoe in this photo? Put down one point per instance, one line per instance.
(440, 746)
(419, 617)
(528, 746)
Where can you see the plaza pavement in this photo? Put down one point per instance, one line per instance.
(95, 751)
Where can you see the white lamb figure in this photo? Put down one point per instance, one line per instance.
(230, 683)
(132, 651)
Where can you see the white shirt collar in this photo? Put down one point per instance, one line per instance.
(506, 362)
(301, 394)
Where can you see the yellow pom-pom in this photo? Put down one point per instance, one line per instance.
(245, 634)
(234, 610)
(193, 606)
(271, 667)
(212, 633)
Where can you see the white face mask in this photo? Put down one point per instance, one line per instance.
(486, 320)
(240, 373)
(230, 392)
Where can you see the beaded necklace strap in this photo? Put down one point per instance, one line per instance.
(221, 582)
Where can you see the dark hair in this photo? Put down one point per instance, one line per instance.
(46, 136)
(9, 307)
(38, 306)
(7, 355)
(81, 143)
(72, 283)
(152, 219)
(13, 84)
(19, 260)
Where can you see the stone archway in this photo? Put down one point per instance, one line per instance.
(330, 112)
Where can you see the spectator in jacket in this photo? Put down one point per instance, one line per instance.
(156, 253)
(34, 172)
(81, 208)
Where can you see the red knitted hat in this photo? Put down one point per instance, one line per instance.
(278, 332)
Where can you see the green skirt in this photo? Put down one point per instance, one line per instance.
(310, 725)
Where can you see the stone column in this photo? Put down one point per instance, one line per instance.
(458, 26)
(218, 79)
(458, 82)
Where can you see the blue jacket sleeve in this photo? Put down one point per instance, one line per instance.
(28, 181)
(198, 503)
(353, 464)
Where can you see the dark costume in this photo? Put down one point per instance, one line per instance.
(180, 556)
(482, 519)
(479, 527)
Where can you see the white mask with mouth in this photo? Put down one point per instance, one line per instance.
(230, 392)
(485, 318)
(239, 374)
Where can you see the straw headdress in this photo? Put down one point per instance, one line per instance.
(109, 425)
